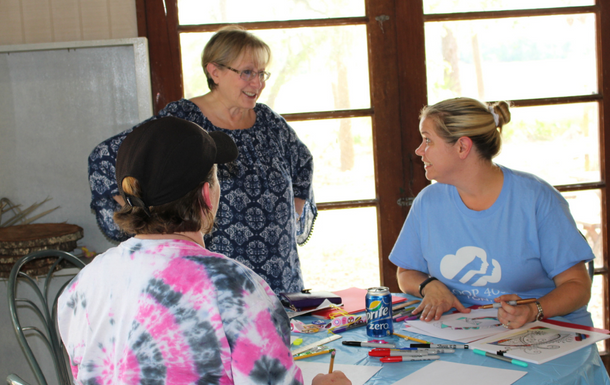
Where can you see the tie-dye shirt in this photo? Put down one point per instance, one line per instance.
(172, 312)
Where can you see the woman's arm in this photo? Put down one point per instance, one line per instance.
(437, 298)
(573, 291)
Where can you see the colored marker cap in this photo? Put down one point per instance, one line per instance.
(391, 359)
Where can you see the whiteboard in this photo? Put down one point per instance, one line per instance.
(57, 102)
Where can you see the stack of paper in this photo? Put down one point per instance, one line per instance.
(460, 327)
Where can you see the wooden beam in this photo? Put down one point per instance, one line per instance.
(159, 24)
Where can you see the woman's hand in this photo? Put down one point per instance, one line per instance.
(437, 300)
(513, 317)
(572, 291)
(299, 204)
(437, 297)
(335, 378)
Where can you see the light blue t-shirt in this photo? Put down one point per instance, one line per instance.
(517, 246)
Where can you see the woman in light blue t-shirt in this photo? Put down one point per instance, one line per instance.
(485, 233)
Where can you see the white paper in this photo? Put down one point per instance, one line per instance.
(357, 374)
(445, 372)
(460, 327)
(539, 342)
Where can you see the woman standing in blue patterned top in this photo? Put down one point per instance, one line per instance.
(267, 207)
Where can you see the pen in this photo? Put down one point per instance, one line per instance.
(403, 359)
(313, 354)
(439, 346)
(512, 303)
(499, 357)
(411, 338)
(368, 344)
(410, 352)
(403, 317)
(332, 361)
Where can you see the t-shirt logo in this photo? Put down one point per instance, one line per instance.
(470, 264)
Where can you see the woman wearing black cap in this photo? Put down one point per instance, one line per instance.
(161, 308)
(267, 206)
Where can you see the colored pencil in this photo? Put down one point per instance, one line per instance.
(313, 354)
(512, 303)
(411, 338)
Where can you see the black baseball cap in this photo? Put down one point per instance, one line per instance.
(169, 157)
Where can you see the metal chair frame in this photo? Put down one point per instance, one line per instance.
(46, 310)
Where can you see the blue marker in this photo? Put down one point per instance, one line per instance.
(499, 357)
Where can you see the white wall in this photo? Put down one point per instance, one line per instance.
(35, 21)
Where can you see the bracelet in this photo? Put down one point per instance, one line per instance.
(423, 284)
(540, 314)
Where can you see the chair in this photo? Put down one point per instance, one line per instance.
(45, 307)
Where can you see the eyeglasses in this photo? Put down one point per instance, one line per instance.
(249, 75)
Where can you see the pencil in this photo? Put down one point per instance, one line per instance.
(313, 354)
(512, 303)
(332, 361)
(411, 338)
(405, 304)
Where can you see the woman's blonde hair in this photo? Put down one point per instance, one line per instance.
(228, 44)
(182, 215)
(481, 122)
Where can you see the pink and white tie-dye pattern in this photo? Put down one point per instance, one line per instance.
(171, 312)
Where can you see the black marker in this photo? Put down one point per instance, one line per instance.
(368, 344)
(439, 346)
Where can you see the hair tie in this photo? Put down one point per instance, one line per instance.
(496, 116)
(134, 201)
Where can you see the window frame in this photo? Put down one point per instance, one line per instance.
(398, 92)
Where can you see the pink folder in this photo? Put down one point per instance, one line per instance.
(353, 302)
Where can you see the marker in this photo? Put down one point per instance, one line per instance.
(407, 352)
(411, 338)
(403, 313)
(439, 346)
(368, 344)
(512, 303)
(501, 358)
(404, 359)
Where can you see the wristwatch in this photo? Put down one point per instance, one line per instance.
(540, 314)
(423, 284)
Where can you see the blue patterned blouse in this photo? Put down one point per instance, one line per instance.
(256, 222)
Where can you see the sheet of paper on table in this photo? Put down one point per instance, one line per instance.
(445, 372)
(541, 341)
(460, 327)
(358, 374)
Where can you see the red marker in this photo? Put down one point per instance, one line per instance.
(407, 358)
(407, 352)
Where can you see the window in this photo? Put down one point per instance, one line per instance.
(393, 58)
(320, 84)
(544, 56)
